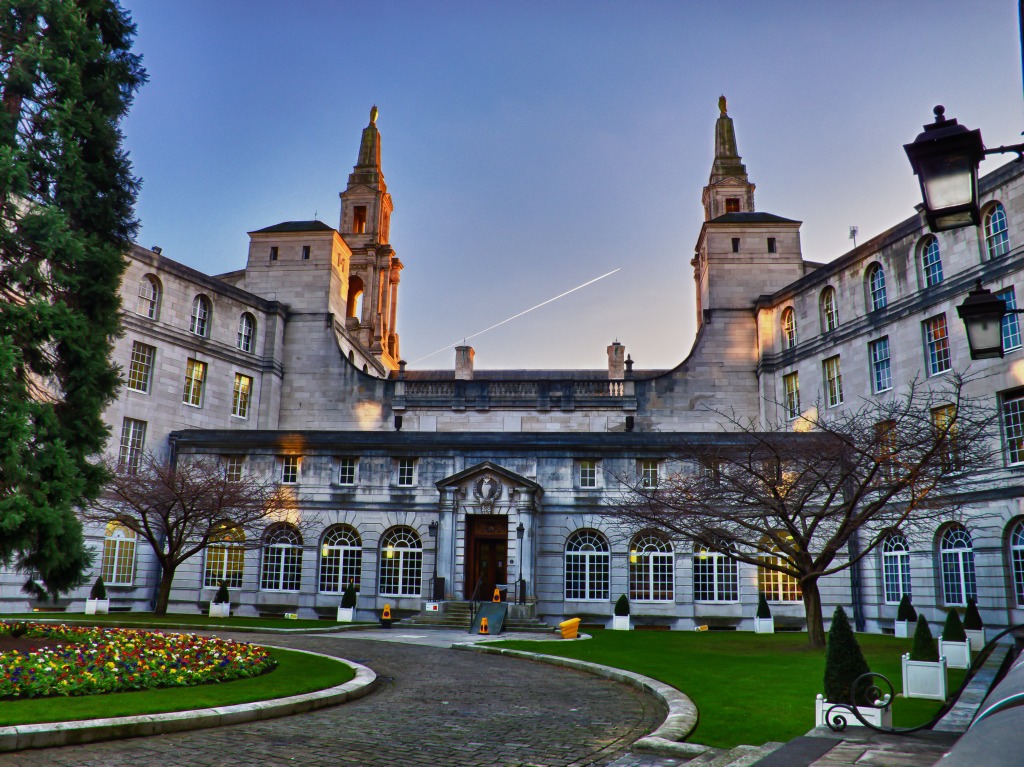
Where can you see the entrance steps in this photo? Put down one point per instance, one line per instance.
(741, 756)
(455, 616)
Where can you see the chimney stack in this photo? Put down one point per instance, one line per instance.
(464, 363)
(616, 361)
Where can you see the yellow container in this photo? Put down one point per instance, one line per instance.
(569, 628)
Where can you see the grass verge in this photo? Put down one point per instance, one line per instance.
(148, 620)
(748, 688)
(296, 673)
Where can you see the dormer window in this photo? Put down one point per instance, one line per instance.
(359, 219)
(732, 204)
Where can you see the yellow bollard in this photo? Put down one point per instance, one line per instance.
(569, 628)
(483, 626)
(497, 596)
(385, 617)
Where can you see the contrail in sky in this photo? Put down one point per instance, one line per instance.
(515, 316)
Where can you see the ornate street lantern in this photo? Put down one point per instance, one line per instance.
(982, 313)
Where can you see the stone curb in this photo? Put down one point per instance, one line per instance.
(664, 741)
(329, 628)
(46, 735)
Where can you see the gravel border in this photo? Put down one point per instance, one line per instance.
(49, 734)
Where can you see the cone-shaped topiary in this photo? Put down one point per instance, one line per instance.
(906, 611)
(622, 606)
(348, 599)
(972, 618)
(953, 630)
(222, 597)
(924, 647)
(844, 661)
(763, 611)
(98, 590)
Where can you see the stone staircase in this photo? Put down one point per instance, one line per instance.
(455, 617)
(740, 756)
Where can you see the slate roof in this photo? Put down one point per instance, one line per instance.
(752, 218)
(296, 226)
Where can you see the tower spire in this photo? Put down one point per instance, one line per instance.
(729, 189)
(728, 163)
(368, 165)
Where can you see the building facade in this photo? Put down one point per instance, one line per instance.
(455, 481)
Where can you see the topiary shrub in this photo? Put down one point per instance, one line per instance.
(972, 618)
(924, 647)
(844, 661)
(98, 590)
(906, 611)
(348, 599)
(953, 630)
(622, 606)
(763, 611)
(222, 597)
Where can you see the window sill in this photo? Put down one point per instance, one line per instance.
(189, 404)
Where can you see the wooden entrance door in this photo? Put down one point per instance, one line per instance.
(486, 554)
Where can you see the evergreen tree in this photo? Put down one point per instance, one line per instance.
(67, 78)
(972, 618)
(953, 630)
(924, 647)
(906, 611)
(622, 606)
(763, 610)
(844, 661)
(348, 599)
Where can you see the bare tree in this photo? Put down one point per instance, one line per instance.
(179, 510)
(812, 501)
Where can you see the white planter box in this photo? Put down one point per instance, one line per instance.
(902, 629)
(220, 609)
(977, 638)
(97, 606)
(620, 623)
(958, 654)
(764, 625)
(880, 717)
(924, 679)
(346, 614)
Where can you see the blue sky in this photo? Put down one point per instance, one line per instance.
(532, 146)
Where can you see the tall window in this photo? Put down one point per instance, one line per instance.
(225, 559)
(200, 324)
(1011, 323)
(888, 454)
(246, 332)
(401, 564)
(118, 566)
(876, 287)
(997, 241)
(133, 438)
(956, 552)
(649, 471)
(715, 576)
(881, 369)
(282, 559)
(792, 384)
(777, 587)
(1013, 428)
(195, 373)
(829, 310)
(149, 297)
(406, 472)
(931, 262)
(1017, 560)
(290, 469)
(936, 342)
(650, 569)
(944, 423)
(587, 565)
(788, 328)
(588, 473)
(233, 467)
(895, 568)
(833, 382)
(341, 559)
(140, 370)
(240, 397)
(346, 471)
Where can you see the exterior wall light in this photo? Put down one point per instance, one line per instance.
(982, 314)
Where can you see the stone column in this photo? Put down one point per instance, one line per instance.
(527, 553)
(446, 539)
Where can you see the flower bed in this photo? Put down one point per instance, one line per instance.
(88, 661)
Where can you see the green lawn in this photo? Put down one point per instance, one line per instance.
(749, 688)
(148, 620)
(296, 673)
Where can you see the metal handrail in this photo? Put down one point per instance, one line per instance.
(472, 604)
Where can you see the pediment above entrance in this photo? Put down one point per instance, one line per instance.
(487, 487)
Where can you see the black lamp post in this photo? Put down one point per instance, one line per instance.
(520, 596)
(432, 531)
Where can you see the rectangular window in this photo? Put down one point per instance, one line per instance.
(588, 473)
(887, 452)
(133, 438)
(359, 219)
(735, 244)
(833, 382)
(649, 473)
(1011, 323)
(240, 397)
(290, 469)
(714, 577)
(936, 339)
(944, 423)
(792, 384)
(273, 252)
(233, 467)
(406, 472)
(881, 370)
(1013, 428)
(305, 252)
(140, 370)
(117, 566)
(732, 204)
(771, 245)
(195, 373)
(346, 471)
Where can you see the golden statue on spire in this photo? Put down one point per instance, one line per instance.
(373, 114)
(721, 104)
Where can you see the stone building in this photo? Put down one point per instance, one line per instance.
(462, 479)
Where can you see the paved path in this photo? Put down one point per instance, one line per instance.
(436, 708)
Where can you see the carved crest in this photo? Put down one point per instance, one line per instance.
(487, 490)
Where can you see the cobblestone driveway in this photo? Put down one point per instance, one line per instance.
(436, 708)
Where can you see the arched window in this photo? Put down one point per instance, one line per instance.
(282, 559)
(876, 287)
(341, 559)
(895, 568)
(225, 559)
(777, 587)
(956, 552)
(587, 564)
(931, 261)
(829, 310)
(651, 568)
(118, 566)
(715, 576)
(200, 324)
(788, 328)
(997, 241)
(354, 306)
(401, 564)
(149, 297)
(246, 332)
(1017, 560)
